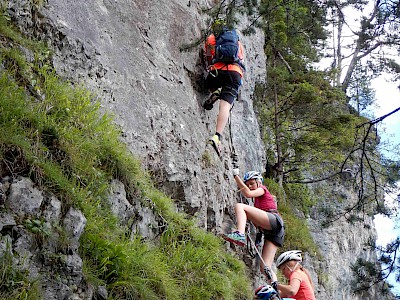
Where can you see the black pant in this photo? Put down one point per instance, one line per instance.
(229, 81)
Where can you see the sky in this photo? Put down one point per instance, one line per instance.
(388, 99)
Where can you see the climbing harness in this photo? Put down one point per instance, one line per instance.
(213, 68)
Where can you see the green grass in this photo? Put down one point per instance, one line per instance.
(15, 284)
(297, 234)
(56, 135)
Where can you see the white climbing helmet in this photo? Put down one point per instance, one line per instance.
(287, 256)
(252, 175)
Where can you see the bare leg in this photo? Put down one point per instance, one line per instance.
(259, 218)
(223, 115)
(241, 217)
(255, 215)
(268, 255)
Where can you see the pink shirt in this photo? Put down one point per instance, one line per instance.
(266, 201)
(305, 291)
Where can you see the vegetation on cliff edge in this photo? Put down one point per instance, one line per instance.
(54, 134)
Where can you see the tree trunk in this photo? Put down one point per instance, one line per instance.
(350, 69)
(277, 127)
(339, 58)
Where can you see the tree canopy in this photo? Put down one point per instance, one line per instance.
(311, 115)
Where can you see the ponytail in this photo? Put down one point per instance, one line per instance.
(295, 265)
(308, 275)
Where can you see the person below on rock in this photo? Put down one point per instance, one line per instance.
(225, 72)
(264, 215)
(300, 285)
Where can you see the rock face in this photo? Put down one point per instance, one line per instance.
(341, 243)
(33, 245)
(128, 53)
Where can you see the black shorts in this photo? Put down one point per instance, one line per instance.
(229, 81)
(277, 234)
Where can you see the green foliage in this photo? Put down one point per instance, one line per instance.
(275, 189)
(14, 283)
(365, 273)
(130, 268)
(40, 229)
(392, 170)
(307, 115)
(198, 257)
(37, 226)
(359, 90)
(299, 196)
(56, 135)
(297, 234)
(294, 28)
(290, 197)
(310, 120)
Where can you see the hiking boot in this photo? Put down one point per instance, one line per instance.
(236, 238)
(216, 143)
(208, 104)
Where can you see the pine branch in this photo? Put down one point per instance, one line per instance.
(377, 120)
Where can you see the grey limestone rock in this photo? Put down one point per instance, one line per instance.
(120, 206)
(141, 218)
(74, 222)
(102, 293)
(73, 265)
(24, 198)
(5, 245)
(128, 53)
(52, 212)
(6, 221)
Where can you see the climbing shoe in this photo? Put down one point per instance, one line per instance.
(236, 238)
(216, 143)
(208, 104)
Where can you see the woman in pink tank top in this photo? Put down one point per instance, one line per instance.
(300, 285)
(264, 215)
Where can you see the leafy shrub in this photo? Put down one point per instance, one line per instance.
(300, 196)
(297, 234)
